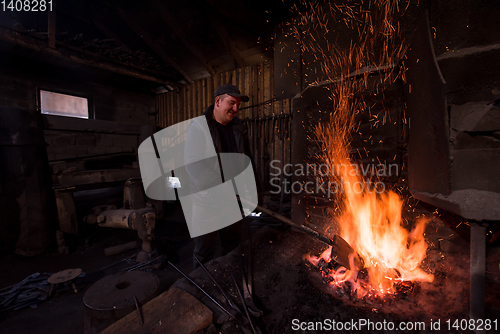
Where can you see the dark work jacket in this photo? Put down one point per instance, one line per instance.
(239, 130)
(206, 173)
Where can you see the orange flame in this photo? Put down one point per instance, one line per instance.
(371, 223)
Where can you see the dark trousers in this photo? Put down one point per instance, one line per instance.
(205, 246)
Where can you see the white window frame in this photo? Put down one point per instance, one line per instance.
(78, 100)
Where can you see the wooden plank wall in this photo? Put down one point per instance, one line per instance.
(268, 120)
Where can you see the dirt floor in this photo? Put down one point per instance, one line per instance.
(64, 312)
(291, 293)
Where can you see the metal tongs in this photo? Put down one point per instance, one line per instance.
(247, 278)
(232, 316)
(229, 301)
(233, 305)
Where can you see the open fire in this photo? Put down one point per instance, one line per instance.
(391, 255)
(369, 221)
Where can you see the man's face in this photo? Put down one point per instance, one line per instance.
(226, 107)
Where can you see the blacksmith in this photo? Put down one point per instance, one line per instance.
(229, 135)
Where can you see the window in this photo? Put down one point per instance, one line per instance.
(52, 103)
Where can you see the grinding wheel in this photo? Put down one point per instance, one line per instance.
(113, 297)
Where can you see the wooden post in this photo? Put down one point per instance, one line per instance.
(66, 212)
(477, 270)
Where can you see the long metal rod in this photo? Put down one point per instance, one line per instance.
(249, 281)
(217, 284)
(117, 263)
(290, 222)
(244, 305)
(254, 310)
(140, 265)
(206, 294)
(141, 322)
(246, 263)
(346, 248)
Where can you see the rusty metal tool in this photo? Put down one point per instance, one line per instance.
(206, 294)
(244, 305)
(138, 310)
(247, 276)
(117, 263)
(233, 306)
(254, 310)
(341, 250)
(140, 265)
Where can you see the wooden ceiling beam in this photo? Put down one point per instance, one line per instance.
(134, 24)
(179, 31)
(39, 43)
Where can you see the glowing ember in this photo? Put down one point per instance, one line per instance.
(371, 223)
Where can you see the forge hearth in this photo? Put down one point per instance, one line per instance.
(287, 287)
(329, 271)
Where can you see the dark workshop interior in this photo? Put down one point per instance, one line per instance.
(374, 128)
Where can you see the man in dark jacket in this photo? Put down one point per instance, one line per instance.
(229, 135)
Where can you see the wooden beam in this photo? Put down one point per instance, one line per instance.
(175, 312)
(224, 35)
(52, 26)
(179, 31)
(39, 43)
(138, 28)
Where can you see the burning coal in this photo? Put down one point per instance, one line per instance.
(370, 222)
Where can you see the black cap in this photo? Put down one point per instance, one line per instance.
(231, 90)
